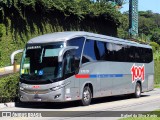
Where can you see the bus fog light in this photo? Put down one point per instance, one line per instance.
(57, 96)
(21, 88)
(20, 96)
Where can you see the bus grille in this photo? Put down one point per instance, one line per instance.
(36, 91)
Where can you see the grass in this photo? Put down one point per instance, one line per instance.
(157, 86)
(154, 115)
(157, 73)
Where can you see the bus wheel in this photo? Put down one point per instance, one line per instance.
(137, 93)
(86, 96)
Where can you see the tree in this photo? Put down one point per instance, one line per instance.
(123, 28)
(146, 25)
(157, 19)
(1, 33)
(156, 37)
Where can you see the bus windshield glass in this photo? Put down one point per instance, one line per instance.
(40, 62)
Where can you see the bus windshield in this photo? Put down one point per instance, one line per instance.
(40, 62)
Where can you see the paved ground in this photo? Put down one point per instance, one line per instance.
(111, 105)
(5, 74)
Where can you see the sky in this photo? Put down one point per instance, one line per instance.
(144, 5)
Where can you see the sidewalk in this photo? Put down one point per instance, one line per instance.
(4, 105)
(7, 70)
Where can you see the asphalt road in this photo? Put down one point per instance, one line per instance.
(113, 107)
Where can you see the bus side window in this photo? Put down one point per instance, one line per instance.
(101, 49)
(119, 53)
(89, 52)
(148, 55)
(79, 41)
(110, 51)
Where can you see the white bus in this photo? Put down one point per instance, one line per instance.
(68, 66)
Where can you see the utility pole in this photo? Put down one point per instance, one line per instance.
(133, 18)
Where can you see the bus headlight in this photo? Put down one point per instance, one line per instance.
(55, 88)
(59, 86)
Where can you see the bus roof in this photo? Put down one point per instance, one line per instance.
(64, 36)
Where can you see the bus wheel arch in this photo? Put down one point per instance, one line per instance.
(138, 89)
(87, 94)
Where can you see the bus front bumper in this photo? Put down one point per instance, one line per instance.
(36, 96)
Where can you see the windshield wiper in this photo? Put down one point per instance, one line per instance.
(47, 78)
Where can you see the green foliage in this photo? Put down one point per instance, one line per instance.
(157, 55)
(80, 8)
(146, 14)
(149, 26)
(156, 37)
(155, 46)
(146, 25)
(157, 71)
(124, 25)
(156, 50)
(8, 88)
(8, 45)
(1, 32)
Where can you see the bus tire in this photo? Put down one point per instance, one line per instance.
(86, 96)
(138, 91)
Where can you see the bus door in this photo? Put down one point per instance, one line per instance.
(70, 68)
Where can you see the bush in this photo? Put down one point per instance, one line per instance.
(157, 72)
(155, 46)
(9, 88)
(1, 33)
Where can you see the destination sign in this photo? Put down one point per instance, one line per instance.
(33, 47)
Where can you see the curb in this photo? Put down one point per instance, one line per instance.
(5, 105)
(8, 69)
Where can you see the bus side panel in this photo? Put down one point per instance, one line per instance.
(150, 76)
(72, 89)
(116, 78)
(150, 82)
(145, 83)
(90, 69)
(121, 76)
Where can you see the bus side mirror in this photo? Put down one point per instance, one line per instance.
(12, 57)
(13, 60)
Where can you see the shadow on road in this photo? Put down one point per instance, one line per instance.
(63, 105)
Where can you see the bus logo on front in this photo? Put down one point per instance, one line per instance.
(138, 72)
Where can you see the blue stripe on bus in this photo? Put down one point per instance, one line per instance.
(105, 75)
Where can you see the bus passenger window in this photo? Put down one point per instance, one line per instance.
(89, 52)
(79, 41)
(102, 50)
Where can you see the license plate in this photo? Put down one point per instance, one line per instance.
(38, 99)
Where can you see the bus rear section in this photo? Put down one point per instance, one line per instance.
(110, 68)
